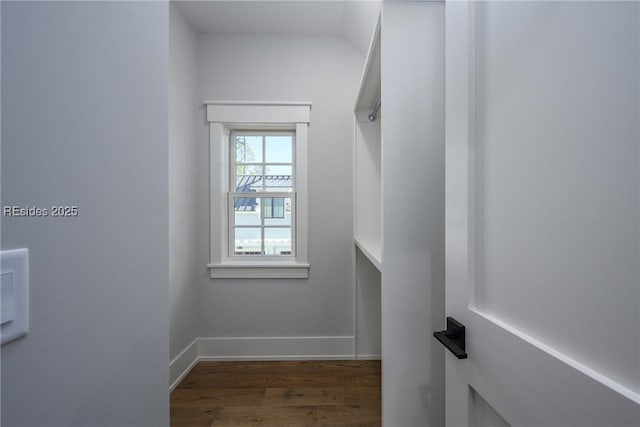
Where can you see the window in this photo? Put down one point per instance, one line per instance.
(262, 223)
(258, 188)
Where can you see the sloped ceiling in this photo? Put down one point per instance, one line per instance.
(359, 22)
(353, 20)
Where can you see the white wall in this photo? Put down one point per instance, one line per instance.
(359, 21)
(368, 308)
(413, 207)
(326, 71)
(84, 103)
(183, 151)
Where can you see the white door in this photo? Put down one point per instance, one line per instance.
(543, 212)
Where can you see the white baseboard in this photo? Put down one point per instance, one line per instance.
(259, 348)
(276, 348)
(368, 357)
(182, 364)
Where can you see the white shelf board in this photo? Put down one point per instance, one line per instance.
(372, 250)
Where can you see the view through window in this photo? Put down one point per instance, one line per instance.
(262, 197)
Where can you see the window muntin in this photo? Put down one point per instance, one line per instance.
(263, 224)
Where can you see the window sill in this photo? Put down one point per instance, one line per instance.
(244, 270)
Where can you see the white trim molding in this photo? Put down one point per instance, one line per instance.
(270, 271)
(276, 348)
(182, 364)
(261, 348)
(223, 117)
(258, 112)
(369, 357)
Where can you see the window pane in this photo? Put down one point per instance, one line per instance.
(282, 171)
(248, 149)
(246, 210)
(248, 178)
(277, 241)
(279, 221)
(247, 241)
(278, 178)
(278, 149)
(277, 211)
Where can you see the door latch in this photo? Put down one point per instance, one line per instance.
(453, 338)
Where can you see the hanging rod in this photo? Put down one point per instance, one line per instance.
(374, 112)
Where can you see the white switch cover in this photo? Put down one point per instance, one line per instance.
(14, 295)
(7, 299)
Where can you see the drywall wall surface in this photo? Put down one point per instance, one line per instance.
(413, 204)
(183, 152)
(359, 22)
(84, 104)
(325, 71)
(368, 344)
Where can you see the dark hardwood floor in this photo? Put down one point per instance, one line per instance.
(292, 393)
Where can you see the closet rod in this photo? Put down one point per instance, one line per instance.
(374, 112)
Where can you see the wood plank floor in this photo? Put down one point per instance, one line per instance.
(292, 393)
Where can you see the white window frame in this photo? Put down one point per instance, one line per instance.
(223, 118)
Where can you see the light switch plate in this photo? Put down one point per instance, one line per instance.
(14, 304)
(7, 298)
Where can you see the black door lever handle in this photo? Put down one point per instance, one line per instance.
(453, 338)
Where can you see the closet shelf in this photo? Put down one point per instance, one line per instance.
(372, 250)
